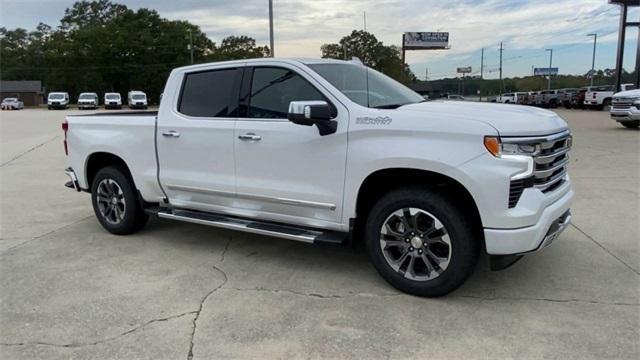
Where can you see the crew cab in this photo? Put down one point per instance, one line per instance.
(331, 152)
(88, 100)
(599, 97)
(137, 100)
(112, 100)
(58, 100)
(625, 108)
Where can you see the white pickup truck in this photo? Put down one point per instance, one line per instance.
(625, 108)
(328, 151)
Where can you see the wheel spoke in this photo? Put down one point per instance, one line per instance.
(426, 236)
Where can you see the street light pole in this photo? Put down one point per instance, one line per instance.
(550, 64)
(272, 51)
(593, 61)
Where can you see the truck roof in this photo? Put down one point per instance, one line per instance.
(306, 61)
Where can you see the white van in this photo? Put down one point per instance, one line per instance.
(88, 100)
(58, 100)
(112, 100)
(137, 99)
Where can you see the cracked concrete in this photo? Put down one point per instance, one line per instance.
(71, 290)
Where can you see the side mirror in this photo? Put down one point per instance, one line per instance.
(310, 113)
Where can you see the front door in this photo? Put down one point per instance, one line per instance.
(284, 171)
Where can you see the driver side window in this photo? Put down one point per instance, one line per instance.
(272, 89)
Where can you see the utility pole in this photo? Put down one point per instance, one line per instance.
(550, 62)
(365, 21)
(191, 45)
(481, 71)
(501, 86)
(593, 60)
(272, 52)
(426, 74)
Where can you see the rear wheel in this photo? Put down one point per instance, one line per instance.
(420, 242)
(115, 202)
(606, 105)
(631, 124)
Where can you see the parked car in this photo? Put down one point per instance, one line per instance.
(112, 100)
(11, 103)
(599, 97)
(507, 98)
(566, 97)
(323, 151)
(625, 108)
(137, 100)
(88, 100)
(58, 100)
(520, 98)
(549, 98)
(455, 97)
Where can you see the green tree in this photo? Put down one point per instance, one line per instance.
(372, 52)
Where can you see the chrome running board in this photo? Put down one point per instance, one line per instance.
(290, 232)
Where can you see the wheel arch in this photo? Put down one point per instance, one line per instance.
(382, 181)
(100, 160)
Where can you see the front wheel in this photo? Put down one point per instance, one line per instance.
(115, 202)
(420, 242)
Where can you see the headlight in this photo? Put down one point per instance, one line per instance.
(499, 149)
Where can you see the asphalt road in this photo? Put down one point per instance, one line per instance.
(69, 289)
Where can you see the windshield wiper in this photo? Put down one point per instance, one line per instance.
(388, 106)
(395, 106)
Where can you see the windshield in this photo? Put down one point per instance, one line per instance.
(138, 97)
(112, 97)
(87, 96)
(10, 100)
(56, 96)
(367, 87)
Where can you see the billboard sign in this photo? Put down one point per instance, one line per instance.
(464, 70)
(425, 40)
(545, 71)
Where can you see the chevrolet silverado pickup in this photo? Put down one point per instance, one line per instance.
(332, 152)
(625, 108)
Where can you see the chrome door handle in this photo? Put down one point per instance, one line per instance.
(171, 133)
(250, 137)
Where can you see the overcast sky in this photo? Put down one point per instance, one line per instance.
(526, 27)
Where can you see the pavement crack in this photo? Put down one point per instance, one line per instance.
(605, 249)
(28, 151)
(47, 233)
(226, 248)
(80, 344)
(200, 306)
(312, 294)
(572, 300)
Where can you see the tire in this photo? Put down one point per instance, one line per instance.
(383, 225)
(606, 104)
(121, 216)
(631, 124)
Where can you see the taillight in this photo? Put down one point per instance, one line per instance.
(65, 128)
(594, 95)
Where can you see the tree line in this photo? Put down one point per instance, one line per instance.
(104, 46)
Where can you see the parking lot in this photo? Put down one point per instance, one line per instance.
(69, 289)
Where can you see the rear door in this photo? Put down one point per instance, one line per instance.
(284, 171)
(195, 140)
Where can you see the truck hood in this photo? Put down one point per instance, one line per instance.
(628, 93)
(508, 120)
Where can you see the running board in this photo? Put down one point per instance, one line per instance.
(290, 232)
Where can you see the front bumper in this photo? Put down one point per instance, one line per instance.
(554, 219)
(87, 106)
(625, 115)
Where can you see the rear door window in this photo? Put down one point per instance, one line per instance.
(208, 93)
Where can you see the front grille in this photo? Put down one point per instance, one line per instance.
(622, 104)
(551, 162)
(516, 188)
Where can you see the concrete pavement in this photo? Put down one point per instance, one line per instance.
(69, 289)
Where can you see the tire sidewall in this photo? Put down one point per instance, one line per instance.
(463, 244)
(129, 222)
